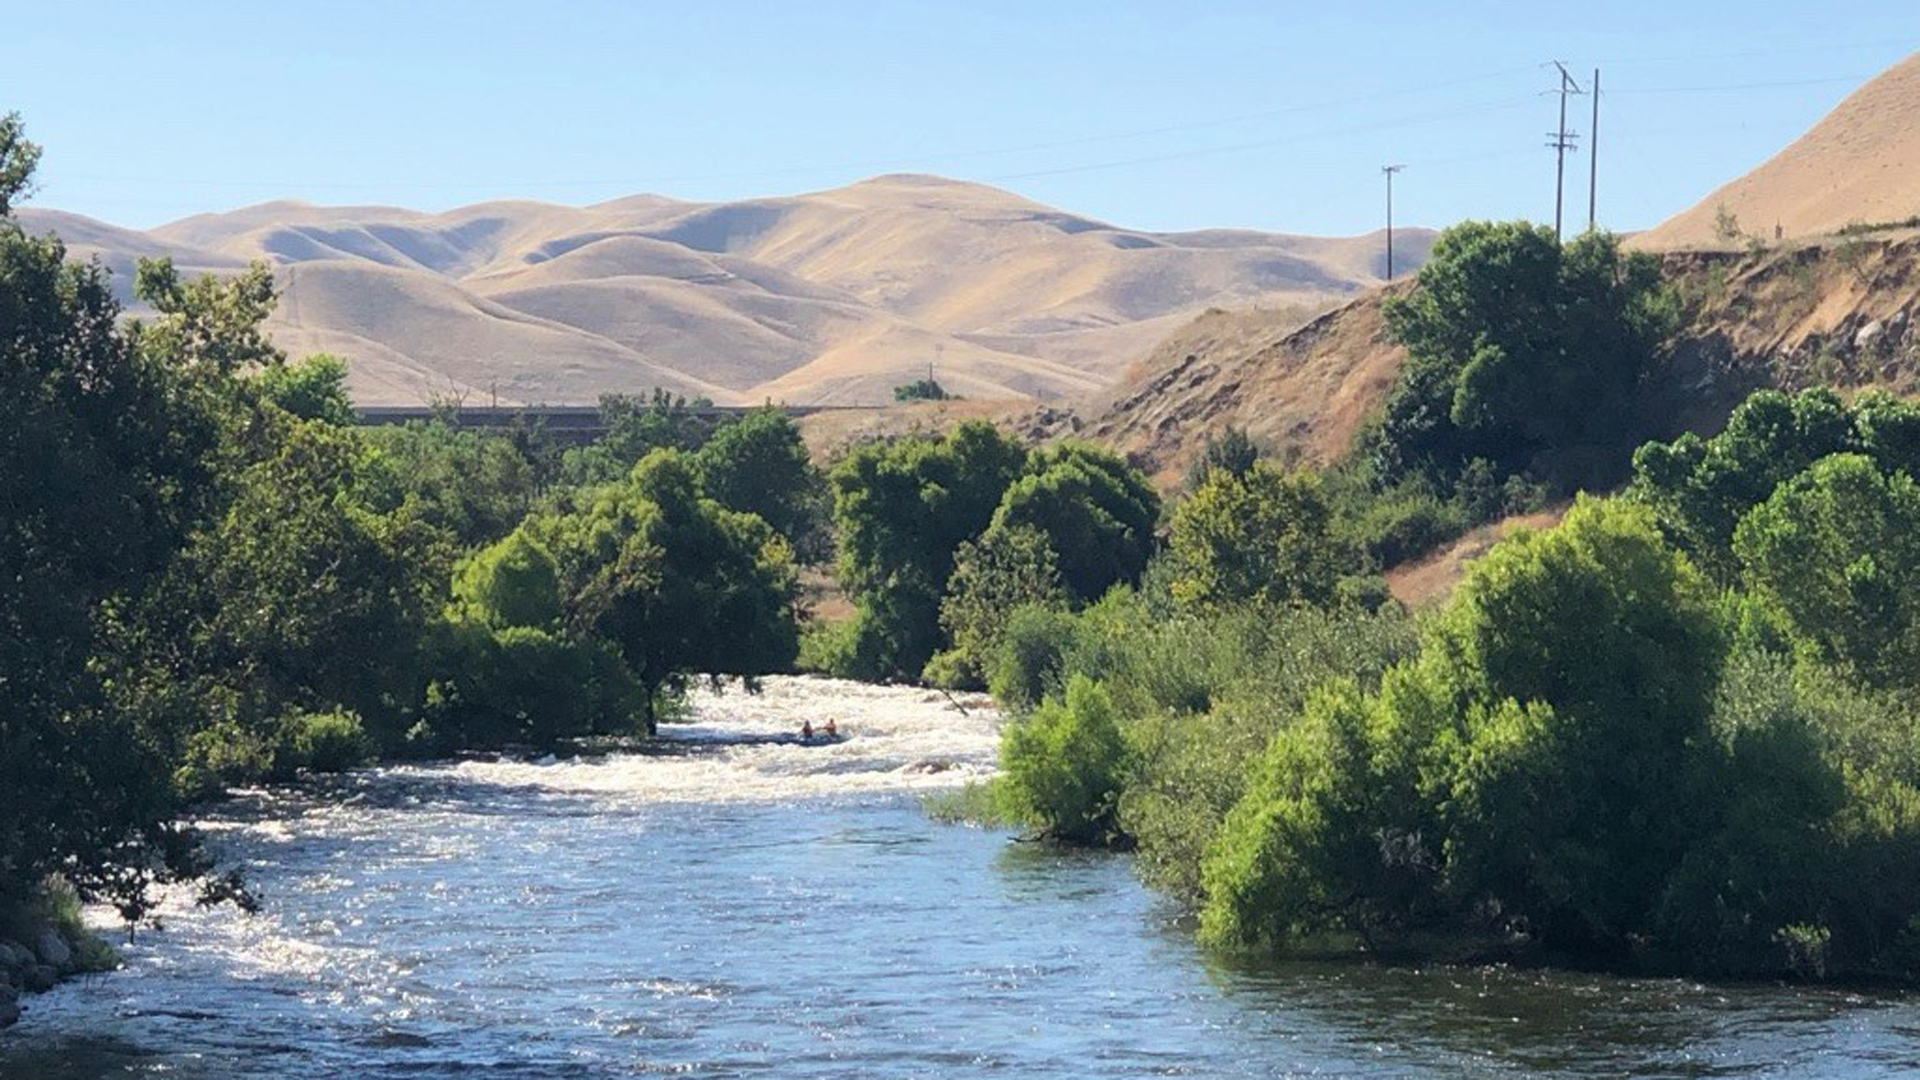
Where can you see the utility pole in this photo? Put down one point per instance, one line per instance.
(1593, 159)
(1563, 140)
(1389, 170)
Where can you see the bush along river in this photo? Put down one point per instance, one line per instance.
(731, 904)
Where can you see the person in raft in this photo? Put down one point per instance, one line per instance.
(806, 730)
(832, 732)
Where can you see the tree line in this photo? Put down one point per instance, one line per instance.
(1675, 732)
(214, 578)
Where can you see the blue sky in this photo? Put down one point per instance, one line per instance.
(1266, 115)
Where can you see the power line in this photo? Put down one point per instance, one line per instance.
(960, 155)
(893, 164)
(1856, 79)
(1178, 155)
(1748, 54)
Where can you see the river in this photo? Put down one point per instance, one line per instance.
(732, 906)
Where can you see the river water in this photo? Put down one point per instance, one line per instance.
(734, 906)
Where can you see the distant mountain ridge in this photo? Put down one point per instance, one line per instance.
(830, 297)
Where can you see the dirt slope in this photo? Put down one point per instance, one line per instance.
(1300, 387)
(1861, 163)
(1844, 311)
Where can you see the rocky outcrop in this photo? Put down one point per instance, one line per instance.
(1841, 312)
(33, 970)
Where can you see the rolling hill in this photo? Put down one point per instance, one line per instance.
(1856, 166)
(830, 297)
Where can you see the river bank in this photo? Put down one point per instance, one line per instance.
(43, 944)
(32, 969)
(729, 905)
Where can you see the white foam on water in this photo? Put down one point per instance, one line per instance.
(892, 739)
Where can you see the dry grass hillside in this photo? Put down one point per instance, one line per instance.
(1299, 386)
(831, 297)
(1835, 312)
(1861, 164)
(1843, 311)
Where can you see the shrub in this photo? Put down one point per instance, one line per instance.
(523, 686)
(1405, 524)
(328, 742)
(1288, 859)
(1027, 662)
(830, 648)
(921, 390)
(1200, 698)
(1265, 537)
(219, 756)
(1547, 757)
(1063, 766)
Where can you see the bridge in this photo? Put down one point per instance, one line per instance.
(565, 423)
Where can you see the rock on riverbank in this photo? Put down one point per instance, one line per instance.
(31, 969)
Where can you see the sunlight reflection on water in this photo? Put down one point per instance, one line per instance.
(742, 906)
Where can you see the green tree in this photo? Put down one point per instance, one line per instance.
(107, 458)
(473, 486)
(524, 686)
(301, 595)
(1265, 538)
(505, 670)
(1836, 549)
(1096, 512)
(1525, 352)
(218, 323)
(901, 510)
(634, 428)
(679, 584)
(313, 389)
(1002, 571)
(1701, 488)
(1231, 449)
(759, 465)
(18, 159)
(515, 582)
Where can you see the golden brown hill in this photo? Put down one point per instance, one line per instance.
(1860, 164)
(831, 297)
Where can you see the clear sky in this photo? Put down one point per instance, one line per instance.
(1271, 115)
